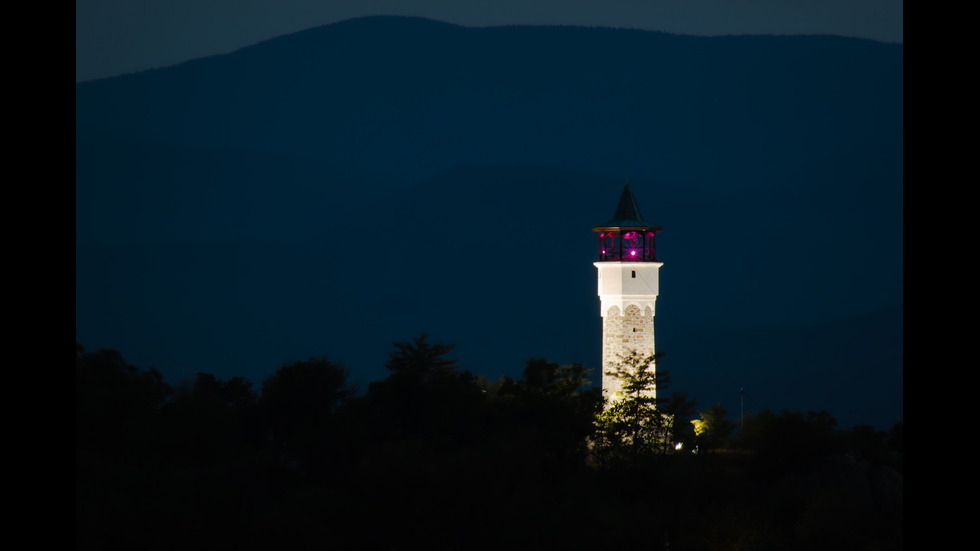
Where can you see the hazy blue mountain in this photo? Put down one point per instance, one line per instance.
(335, 190)
(414, 97)
(500, 270)
(130, 190)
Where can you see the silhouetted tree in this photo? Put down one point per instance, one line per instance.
(114, 401)
(118, 442)
(713, 428)
(426, 392)
(553, 405)
(431, 447)
(678, 412)
(235, 392)
(214, 420)
(420, 359)
(896, 438)
(542, 376)
(631, 425)
(790, 436)
(300, 399)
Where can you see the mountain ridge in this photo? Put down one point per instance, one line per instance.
(491, 83)
(288, 206)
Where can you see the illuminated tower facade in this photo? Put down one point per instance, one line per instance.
(629, 280)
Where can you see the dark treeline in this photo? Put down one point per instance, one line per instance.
(433, 457)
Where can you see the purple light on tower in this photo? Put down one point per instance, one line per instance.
(627, 237)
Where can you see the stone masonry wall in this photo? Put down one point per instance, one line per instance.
(620, 333)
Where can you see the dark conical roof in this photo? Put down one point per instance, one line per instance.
(627, 215)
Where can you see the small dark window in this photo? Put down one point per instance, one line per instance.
(634, 274)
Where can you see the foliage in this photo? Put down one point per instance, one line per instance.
(235, 392)
(113, 399)
(212, 421)
(426, 394)
(790, 436)
(305, 392)
(430, 448)
(419, 359)
(713, 429)
(543, 377)
(896, 438)
(632, 425)
(677, 411)
(299, 401)
(553, 405)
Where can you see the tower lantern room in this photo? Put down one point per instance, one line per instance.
(627, 237)
(629, 282)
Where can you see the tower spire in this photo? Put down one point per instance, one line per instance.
(627, 214)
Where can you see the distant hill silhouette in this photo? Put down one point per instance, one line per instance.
(296, 197)
(413, 97)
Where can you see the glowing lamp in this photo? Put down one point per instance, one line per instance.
(632, 253)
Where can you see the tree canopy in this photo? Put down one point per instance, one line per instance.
(211, 463)
(640, 420)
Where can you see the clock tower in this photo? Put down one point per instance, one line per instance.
(628, 286)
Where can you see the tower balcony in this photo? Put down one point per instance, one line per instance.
(628, 246)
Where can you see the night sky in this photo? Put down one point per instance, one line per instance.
(210, 233)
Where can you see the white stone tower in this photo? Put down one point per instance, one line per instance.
(629, 280)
